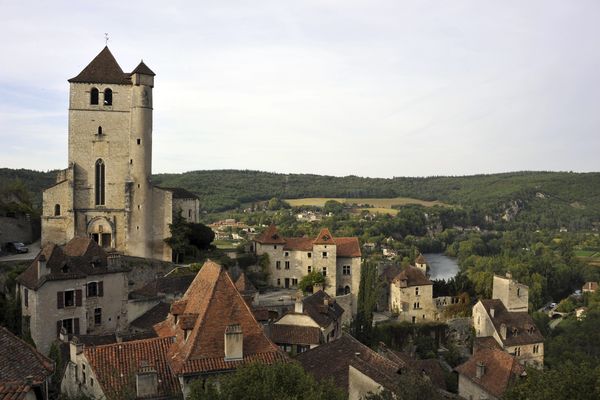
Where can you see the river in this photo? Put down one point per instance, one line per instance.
(441, 266)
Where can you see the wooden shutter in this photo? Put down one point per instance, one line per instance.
(87, 290)
(100, 289)
(76, 326)
(78, 295)
(60, 300)
(58, 327)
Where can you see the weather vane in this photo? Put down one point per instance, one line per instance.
(106, 39)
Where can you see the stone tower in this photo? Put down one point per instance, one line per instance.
(106, 191)
(514, 295)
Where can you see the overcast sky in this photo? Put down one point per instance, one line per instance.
(369, 88)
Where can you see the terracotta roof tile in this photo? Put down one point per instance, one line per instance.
(13, 390)
(520, 328)
(347, 247)
(301, 244)
(19, 359)
(324, 237)
(500, 370)
(411, 276)
(103, 69)
(294, 334)
(244, 286)
(332, 360)
(115, 365)
(270, 236)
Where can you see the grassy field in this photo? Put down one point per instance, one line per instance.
(225, 244)
(379, 205)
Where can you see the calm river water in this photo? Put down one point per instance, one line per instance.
(441, 266)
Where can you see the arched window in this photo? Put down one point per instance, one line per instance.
(107, 97)
(99, 131)
(347, 290)
(57, 210)
(100, 183)
(94, 96)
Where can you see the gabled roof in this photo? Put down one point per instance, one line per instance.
(215, 303)
(420, 259)
(244, 286)
(323, 314)
(156, 314)
(324, 237)
(500, 370)
(298, 243)
(142, 69)
(520, 328)
(180, 193)
(347, 247)
(411, 276)
(270, 236)
(80, 257)
(430, 367)
(115, 365)
(103, 69)
(332, 361)
(173, 285)
(19, 360)
(14, 390)
(294, 334)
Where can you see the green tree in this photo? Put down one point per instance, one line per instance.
(311, 279)
(410, 386)
(200, 236)
(367, 299)
(179, 239)
(282, 381)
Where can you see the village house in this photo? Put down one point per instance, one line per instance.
(106, 191)
(209, 331)
(590, 287)
(290, 259)
(505, 318)
(316, 319)
(352, 366)
(25, 373)
(488, 373)
(411, 294)
(77, 288)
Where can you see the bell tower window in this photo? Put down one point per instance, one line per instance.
(99, 131)
(94, 96)
(100, 182)
(107, 97)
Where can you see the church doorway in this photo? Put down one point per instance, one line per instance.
(101, 231)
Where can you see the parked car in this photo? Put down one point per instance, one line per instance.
(16, 247)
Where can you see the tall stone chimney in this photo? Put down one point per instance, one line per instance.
(146, 381)
(503, 331)
(41, 266)
(492, 312)
(479, 370)
(299, 306)
(234, 342)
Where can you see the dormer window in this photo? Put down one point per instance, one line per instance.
(94, 96)
(108, 97)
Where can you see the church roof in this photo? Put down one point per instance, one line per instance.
(142, 69)
(104, 68)
(209, 306)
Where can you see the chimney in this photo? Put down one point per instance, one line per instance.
(234, 342)
(492, 312)
(146, 381)
(114, 260)
(479, 370)
(75, 348)
(41, 266)
(503, 331)
(299, 306)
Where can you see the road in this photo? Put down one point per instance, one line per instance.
(34, 249)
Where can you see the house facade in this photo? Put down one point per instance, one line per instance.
(290, 259)
(411, 295)
(76, 288)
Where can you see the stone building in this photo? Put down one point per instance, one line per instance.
(411, 295)
(337, 258)
(77, 288)
(106, 192)
(25, 374)
(505, 318)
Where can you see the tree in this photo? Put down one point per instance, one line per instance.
(367, 299)
(179, 239)
(200, 236)
(311, 279)
(283, 381)
(334, 207)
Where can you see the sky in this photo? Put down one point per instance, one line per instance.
(367, 88)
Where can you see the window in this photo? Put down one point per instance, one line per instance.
(99, 131)
(97, 316)
(57, 210)
(324, 254)
(345, 270)
(278, 264)
(278, 282)
(536, 348)
(287, 265)
(108, 97)
(294, 281)
(309, 269)
(26, 297)
(100, 183)
(309, 255)
(94, 96)
(83, 376)
(324, 271)
(417, 291)
(92, 289)
(189, 213)
(70, 325)
(139, 141)
(275, 246)
(518, 292)
(517, 351)
(346, 289)
(69, 298)
(286, 254)
(91, 381)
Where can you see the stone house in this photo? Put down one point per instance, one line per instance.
(106, 191)
(316, 319)
(337, 258)
(77, 288)
(352, 366)
(411, 295)
(505, 318)
(24, 372)
(590, 287)
(488, 374)
(209, 331)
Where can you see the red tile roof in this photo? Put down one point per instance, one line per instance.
(294, 334)
(411, 276)
(115, 365)
(217, 303)
(347, 247)
(270, 236)
(301, 244)
(18, 360)
(13, 390)
(324, 237)
(500, 370)
(103, 69)
(244, 286)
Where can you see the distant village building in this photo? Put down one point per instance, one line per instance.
(25, 374)
(210, 331)
(106, 191)
(76, 288)
(506, 320)
(337, 258)
(590, 287)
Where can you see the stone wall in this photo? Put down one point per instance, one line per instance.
(16, 229)
(359, 384)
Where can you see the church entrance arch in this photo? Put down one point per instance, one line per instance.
(102, 231)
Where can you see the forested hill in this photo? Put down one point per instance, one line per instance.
(225, 189)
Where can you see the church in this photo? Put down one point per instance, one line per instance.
(106, 192)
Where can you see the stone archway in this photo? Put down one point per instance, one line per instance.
(101, 229)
